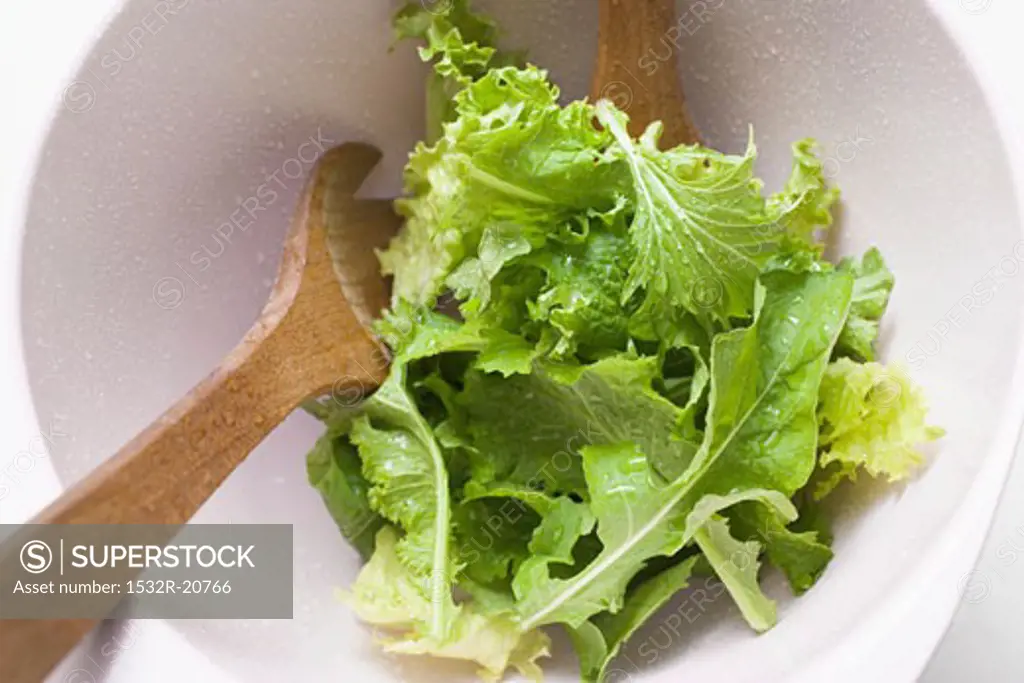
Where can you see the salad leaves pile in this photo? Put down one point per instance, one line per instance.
(653, 372)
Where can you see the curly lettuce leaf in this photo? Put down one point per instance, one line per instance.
(461, 43)
(580, 298)
(417, 19)
(387, 594)
(416, 332)
(452, 56)
(805, 203)
(512, 157)
(472, 280)
(872, 287)
(872, 418)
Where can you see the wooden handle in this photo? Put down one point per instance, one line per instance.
(307, 341)
(637, 66)
(162, 477)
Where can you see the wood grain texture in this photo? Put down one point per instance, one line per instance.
(310, 339)
(633, 71)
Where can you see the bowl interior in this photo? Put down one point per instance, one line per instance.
(186, 116)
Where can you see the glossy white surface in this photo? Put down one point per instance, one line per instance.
(983, 643)
(159, 145)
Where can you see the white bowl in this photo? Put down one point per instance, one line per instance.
(181, 110)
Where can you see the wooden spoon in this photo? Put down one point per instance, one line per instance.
(634, 36)
(310, 339)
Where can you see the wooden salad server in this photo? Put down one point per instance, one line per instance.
(311, 338)
(633, 37)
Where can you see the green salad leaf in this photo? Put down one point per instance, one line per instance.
(736, 564)
(598, 641)
(334, 468)
(403, 462)
(513, 157)
(563, 520)
(461, 44)
(565, 409)
(873, 418)
(871, 289)
(614, 366)
(764, 383)
(701, 229)
(387, 594)
(801, 555)
(805, 204)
